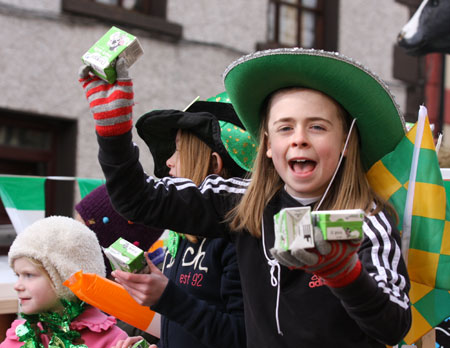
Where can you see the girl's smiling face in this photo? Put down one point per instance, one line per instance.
(305, 136)
(34, 289)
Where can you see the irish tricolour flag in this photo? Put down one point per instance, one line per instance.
(24, 199)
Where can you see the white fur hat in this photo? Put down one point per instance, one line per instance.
(63, 246)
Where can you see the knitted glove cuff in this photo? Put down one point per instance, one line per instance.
(344, 278)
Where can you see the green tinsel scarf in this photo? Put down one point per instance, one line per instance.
(58, 325)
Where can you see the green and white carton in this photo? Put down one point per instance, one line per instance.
(339, 224)
(293, 229)
(294, 226)
(126, 256)
(141, 344)
(102, 56)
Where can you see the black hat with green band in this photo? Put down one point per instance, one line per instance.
(252, 78)
(214, 121)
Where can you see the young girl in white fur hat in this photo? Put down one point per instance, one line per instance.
(43, 256)
(322, 120)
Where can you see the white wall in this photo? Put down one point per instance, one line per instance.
(368, 32)
(41, 50)
(232, 23)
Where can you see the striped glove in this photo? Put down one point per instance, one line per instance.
(336, 262)
(110, 104)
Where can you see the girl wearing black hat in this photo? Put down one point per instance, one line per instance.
(336, 294)
(198, 294)
(207, 303)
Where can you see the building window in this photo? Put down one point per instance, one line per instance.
(302, 23)
(37, 146)
(15, 137)
(149, 15)
(148, 7)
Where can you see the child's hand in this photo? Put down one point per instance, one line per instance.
(110, 104)
(128, 342)
(336, 262)
(146, 289)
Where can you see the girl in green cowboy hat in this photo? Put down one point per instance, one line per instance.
(321, 120)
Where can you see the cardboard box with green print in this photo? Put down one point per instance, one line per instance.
(141, 344)
(339, 224)
(126, 256)
(293, 229)
(294, 226)
(102, 56)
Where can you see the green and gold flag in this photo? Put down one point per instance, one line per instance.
(410, 178)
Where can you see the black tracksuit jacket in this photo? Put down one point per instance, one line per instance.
(372, 311)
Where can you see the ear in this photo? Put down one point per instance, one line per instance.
(216, 163)
(269, 145)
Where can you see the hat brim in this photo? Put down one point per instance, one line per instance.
(252, 78)
(159, 128)
(222, 111)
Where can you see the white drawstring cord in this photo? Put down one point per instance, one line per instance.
(275, 281)
(338, 165)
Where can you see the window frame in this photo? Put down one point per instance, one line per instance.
(58, 160)
(325, 29)
(156, 24)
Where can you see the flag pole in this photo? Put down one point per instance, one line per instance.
(407, 216)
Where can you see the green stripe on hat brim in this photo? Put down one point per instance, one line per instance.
(252, 78)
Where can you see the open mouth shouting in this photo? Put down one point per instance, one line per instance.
(302, 165)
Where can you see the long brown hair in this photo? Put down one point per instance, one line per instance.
(350, 188)
(196, 162)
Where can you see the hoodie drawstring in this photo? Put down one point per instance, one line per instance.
(275, 281)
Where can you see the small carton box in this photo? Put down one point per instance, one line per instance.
(339, 224)
(293, 228)
(102, 56)
(141, 344)
(126, 256)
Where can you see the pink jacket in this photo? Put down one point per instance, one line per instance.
(97, 330)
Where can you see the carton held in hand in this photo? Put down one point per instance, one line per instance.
(126, 256)
(339, 224)
(102, 56)
(141, 344)
(294, 226)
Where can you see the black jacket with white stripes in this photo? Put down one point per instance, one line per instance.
(301, 312)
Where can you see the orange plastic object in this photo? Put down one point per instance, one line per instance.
(158, 244)
(110, 297)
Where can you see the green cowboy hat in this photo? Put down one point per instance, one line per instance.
(214, 121)
(252, 78)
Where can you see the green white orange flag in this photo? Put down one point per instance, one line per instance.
(23, 198)
(410, 178)
(87, 185)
